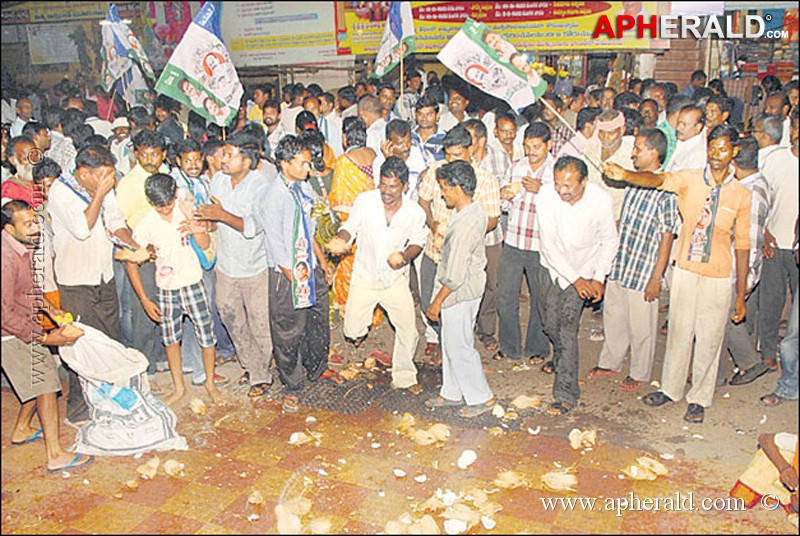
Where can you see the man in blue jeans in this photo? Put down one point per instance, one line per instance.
(787, 388)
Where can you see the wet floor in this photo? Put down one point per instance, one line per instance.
(358, 473)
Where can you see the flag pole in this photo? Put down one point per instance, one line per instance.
(589, 157)
(402, 82)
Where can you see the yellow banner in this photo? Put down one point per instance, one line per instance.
(529, 26)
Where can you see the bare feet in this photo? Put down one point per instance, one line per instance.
(174, 397)
(213, 392)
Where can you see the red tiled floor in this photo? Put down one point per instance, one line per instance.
(163, 523)
(154, 493)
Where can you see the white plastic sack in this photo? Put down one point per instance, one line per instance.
(125, 417)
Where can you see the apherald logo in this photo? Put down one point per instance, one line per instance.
(681, 27)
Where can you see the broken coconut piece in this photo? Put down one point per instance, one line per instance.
(300, 438)
(498, 411)
(349, 374)
(527, 402)
(288, 523)
(652, 465)
(198, 407)
(455, 526)
(399, 473)
(466, 459)
(509, 480)
(149, 469)
(255, 497)
(579, 439)
(639, 473)
(299, 507)
(321, 525)
(173, 468)
(132, 485)
(420, 478)
(488, 523)
(440, 431)
(423, 437)
(560, 480)
(407, 423)
(425, 525)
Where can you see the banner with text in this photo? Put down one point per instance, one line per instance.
(529, 26)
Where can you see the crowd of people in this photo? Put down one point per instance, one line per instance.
(199, 245)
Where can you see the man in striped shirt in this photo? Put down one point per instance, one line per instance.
(647, 225)
(521, 252)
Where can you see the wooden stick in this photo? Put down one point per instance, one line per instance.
(402, 83)
(590, 158)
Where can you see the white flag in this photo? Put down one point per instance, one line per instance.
(200, 72)
(399, 39)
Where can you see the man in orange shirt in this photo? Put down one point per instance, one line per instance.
(716, 211)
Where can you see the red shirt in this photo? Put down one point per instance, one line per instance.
(14, 189)
(20, 298)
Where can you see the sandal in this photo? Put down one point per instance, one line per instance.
(358, 341)
(629, 384)
(441, 402)
(557, 409)
(694, 414)
(772, 364)
(384, 358)
(291, 403)
(434, 351)
(333, 376)
(258, 390)
(549, 367)
(489, 342)
(771, 400)
(74, 464)
(597, 372)
(537, 360)
(750, 375)
(222, 359)
(37, 436)
(656, 399)
(469, 412)
(499, 356)
(431, 349)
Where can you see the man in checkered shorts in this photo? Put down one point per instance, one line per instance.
(179, 279)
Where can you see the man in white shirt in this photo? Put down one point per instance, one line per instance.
(457, 103)
(24, 114)
(399, 143)
(690, 152)
(778, 104)
(390, 231)
(370, 111)
(271, 116)
(779, 167)
(295, 107)
(329, 123)
(84, 209)
(578, 240)
(347, 102)
(586, 123)
(610, 145)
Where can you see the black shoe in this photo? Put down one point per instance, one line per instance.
(656, 399)
(750, 375)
